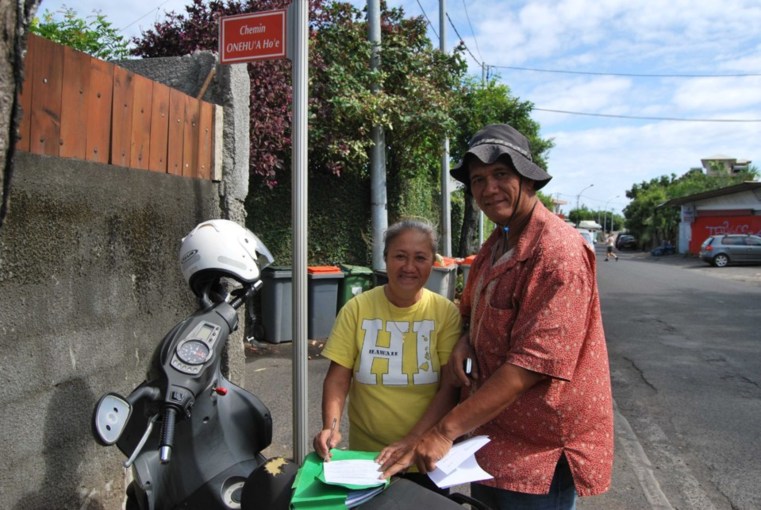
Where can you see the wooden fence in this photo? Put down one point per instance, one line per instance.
(76, 106)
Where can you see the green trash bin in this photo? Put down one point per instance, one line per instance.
(277, 299)
(322, 294)
(356, 280)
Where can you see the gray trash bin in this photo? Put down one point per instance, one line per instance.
(443, 278)
(322, 299)
(277, 304)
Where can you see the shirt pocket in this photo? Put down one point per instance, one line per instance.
(493, 342)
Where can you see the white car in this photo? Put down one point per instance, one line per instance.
(588, 236)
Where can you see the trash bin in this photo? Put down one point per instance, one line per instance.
(322, 296)
(380, 277)
(277, 299)
(443, 277)
(465, 267)
(356, 280)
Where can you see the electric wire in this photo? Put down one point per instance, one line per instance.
(125, 27)
(630, 75)
(463, 41)
(428, 20)
(636, 117)
(467, 16)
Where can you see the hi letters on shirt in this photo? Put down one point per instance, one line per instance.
(388, 343)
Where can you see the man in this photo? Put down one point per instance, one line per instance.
(540, 388)
(610, 241)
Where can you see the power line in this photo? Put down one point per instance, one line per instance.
(467, 16)
(144, 15)
(631, 75)
(428, 20)
(636, 117)
(462, 41)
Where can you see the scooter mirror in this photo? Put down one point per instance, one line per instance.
(110, 418)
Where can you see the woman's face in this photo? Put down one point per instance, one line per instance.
(409, 262)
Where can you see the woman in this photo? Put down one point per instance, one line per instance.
(388, 348)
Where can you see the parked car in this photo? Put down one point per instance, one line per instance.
(588, 236)
(626, 242)
(666, 248)
(728, 249)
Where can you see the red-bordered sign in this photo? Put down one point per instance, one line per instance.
(253, 36)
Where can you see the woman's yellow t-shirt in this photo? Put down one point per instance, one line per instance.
(396, 355)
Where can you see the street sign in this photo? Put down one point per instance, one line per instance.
(252, 36)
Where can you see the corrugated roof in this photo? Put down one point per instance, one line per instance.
(729, 190)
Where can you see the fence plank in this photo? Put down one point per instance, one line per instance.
(74, 118)
(121, 126)
(205, 140)
(175, 132)
(190, 138)
(159, 128)
(77, 106)
(141, 123)
(45, 127)
(99, 111)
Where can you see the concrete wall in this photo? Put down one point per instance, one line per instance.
(89, 284)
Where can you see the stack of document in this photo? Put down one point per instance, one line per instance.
(459, 465)
(348, 480)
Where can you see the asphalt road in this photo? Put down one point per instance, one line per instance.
(685, 364)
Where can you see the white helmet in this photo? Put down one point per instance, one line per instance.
(217, 248)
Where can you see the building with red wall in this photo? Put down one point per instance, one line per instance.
(732, 210)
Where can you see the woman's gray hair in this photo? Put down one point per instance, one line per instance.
(404, 225)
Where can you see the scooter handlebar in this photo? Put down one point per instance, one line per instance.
(167, 434)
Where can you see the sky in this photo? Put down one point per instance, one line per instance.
(628, 90)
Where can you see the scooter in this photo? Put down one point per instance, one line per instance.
(193, 438)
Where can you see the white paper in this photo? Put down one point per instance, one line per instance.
(459, 465)
(354, 472)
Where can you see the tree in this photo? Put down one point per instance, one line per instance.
(93, 35)
(478, 106)
(418, 92)
(652, 224)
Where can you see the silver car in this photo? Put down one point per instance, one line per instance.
(728, 249)
(588, 236)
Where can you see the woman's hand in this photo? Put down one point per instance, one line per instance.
(397, 456)
(462, 351)
(325, 440)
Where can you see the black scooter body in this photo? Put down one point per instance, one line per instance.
(219, 431)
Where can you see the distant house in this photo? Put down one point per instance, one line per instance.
(732, 210)
(720, 164)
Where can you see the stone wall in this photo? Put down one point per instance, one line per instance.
(89, 284)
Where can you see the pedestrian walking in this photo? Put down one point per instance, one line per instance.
(610, 241)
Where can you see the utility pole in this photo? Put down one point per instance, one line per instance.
(378, 154)
(446, 221)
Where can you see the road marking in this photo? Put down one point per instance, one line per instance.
(641, 465)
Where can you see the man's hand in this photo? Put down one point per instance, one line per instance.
(462, 350)
(431, 448)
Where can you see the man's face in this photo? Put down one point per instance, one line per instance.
(495, 188)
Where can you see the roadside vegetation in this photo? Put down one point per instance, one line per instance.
(424, 96)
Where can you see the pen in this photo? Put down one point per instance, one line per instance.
(330, 436)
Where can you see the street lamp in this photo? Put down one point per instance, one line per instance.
(579, 195)
(605, 214)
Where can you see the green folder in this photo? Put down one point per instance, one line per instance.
(310, 490)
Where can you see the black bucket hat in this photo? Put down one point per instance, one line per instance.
(494, 141)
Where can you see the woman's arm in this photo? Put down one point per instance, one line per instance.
(335, 387)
